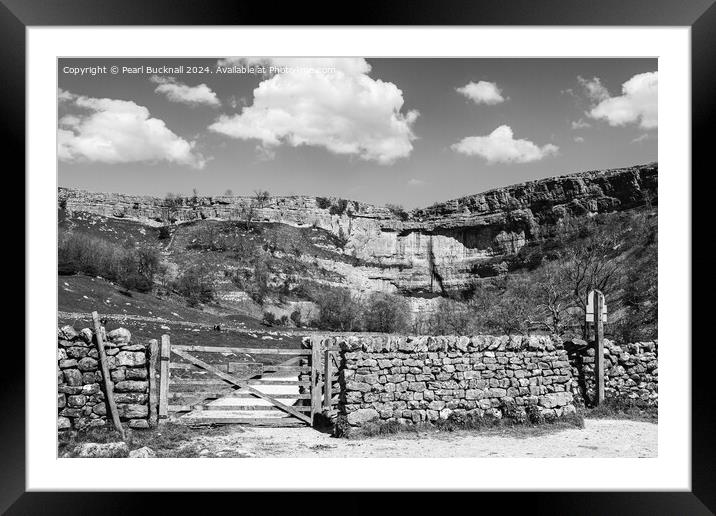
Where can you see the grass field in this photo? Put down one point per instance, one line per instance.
(149, 317)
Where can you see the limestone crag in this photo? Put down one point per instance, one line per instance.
(424, 251)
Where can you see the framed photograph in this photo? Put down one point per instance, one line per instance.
(450, 246)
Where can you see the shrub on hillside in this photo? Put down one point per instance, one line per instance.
(398, 211)
(131, 268)
(339, 208)
(385, 313)
(296, 318)
(449, 318)
(323, 203)
(196, 285)
(164, 233)
(339, 310)
(255, 280)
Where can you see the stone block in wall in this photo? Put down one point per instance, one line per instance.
(131, 358)
(131, 397)
(118, 337)
(70, 389)
(118, 375)
(67, 332)
(91, 377)
(76, 352)
(132, 411)
(73, 377)
(87, 364)
(132, 386)
(70, 412)
(76, 400)
(136, 373)
(90, 388)
(63, 423)
(86, 335)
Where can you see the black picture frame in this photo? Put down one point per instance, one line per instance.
(700, 15)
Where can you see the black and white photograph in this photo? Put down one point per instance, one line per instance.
(357, 257)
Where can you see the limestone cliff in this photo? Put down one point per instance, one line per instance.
(422, 252)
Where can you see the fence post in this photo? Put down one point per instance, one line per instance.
(164, 378)
(153, 388)
(315, 389)
(108, 386)
(599, 338)
(327, 382)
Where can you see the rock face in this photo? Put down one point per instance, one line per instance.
(422, 252)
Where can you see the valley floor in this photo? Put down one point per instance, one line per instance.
(598, 438)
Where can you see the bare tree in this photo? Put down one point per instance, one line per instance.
(170, 208)
(261, 197)
(552, 299)
(589, 264)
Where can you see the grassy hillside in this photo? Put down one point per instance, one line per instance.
(148, 317)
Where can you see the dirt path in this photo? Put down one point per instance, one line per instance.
(599, 438)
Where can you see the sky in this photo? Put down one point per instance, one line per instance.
(408, 131)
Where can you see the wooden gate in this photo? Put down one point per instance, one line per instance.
(267, 386)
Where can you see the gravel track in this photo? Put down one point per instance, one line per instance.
(599, 438)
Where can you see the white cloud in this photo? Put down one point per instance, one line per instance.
(594, 88)
(482, 92)
(117, 131)
(580, 124)
(413, 181)
(329, 103)
(637, 104)
(641, 138)
(180, 92)
(579, 139)
(501, 147)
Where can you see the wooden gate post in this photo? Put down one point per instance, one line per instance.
(164, 378)
(315, 368)
(153, 387)
(108, 386)
(599, 339)
(327, 382)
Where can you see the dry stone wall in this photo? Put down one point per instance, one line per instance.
(81, 401)
(631, 372)
(424, 379)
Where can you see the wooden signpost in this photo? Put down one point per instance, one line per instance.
(596, 313)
